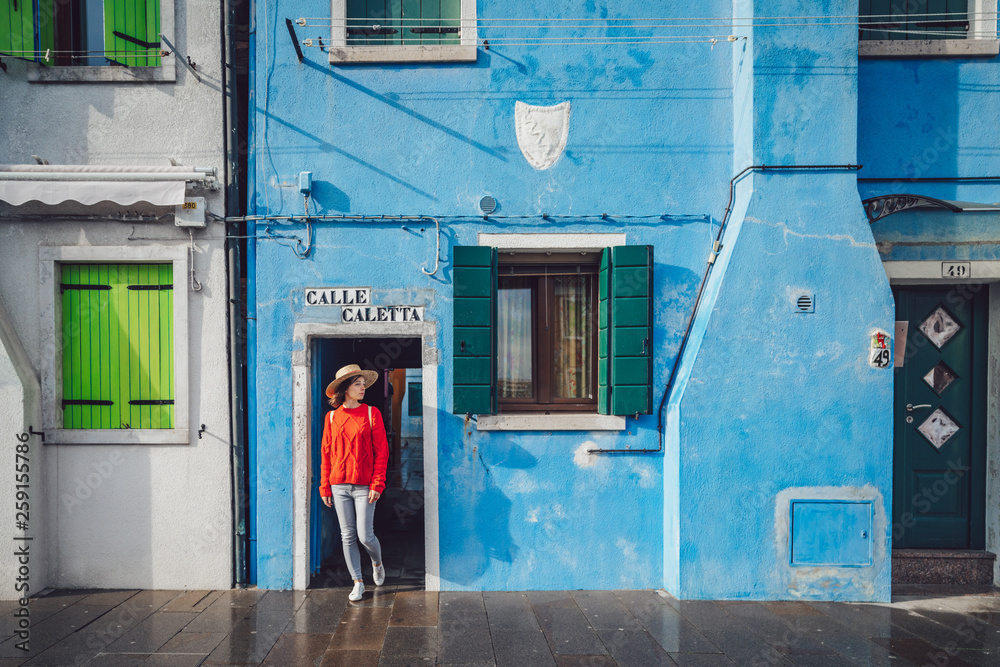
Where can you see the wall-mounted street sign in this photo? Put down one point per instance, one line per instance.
(383, 314)
(356, 305)
(338, 296)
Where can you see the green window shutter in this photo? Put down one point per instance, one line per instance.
(415, 395)
(46, 29)
(625, 337)
(132, 32)
(403, 22)
(17, 29)
(603, 334)
(451, 14)
(86, 297)
(475, 283)
(117, 346)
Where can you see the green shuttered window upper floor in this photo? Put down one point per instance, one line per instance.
(17, 28)
(624, 325)
(120, 32)
(403, 22)
(117, 346)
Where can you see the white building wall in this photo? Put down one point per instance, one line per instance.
(123, 516)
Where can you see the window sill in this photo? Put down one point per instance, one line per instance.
(165, 436)
(452, 53)
(572, 421)
(86, 74)
(928, 48)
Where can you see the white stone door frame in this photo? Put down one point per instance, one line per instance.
(983, 272)
(302, 408)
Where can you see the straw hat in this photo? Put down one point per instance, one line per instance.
(346, 373)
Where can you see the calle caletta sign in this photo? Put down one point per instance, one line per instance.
(356, 305)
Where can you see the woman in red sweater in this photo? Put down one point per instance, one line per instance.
(352, 475)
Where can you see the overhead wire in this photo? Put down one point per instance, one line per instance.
(588, 23)
(868, 23)
(900, 25)
(726, 19)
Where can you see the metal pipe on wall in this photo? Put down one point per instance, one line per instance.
(716, 248)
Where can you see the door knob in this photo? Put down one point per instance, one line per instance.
(910, 407)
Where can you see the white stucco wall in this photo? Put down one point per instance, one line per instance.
(145, 516)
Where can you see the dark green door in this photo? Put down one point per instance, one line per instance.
(939, 456)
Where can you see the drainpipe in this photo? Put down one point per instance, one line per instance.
(716, 248)
(713, 255)
(233, 83)
(250, 264)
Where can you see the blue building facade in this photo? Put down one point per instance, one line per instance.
(628, 260)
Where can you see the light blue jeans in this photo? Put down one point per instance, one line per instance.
(356, 516)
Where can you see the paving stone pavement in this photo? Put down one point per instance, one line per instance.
(403, 625)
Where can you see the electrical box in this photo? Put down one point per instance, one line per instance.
(835, 533)
(191, 213)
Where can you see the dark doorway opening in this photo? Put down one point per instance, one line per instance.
(399, 517)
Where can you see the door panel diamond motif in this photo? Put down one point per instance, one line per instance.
(940, 327)
(938, 428)
(940, 377)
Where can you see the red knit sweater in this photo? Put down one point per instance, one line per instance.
(353, 452)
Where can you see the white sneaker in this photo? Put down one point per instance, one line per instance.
(378, 573)
(358, 592)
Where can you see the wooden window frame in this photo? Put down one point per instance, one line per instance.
(538, 266)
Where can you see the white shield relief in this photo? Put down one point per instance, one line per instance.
(541, 132)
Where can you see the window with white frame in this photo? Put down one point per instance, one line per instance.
(552, 332)
(88, 40)
(116, 371)
(403, 31)
(924, 28)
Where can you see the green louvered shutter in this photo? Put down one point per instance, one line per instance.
(117, 347)
(132, 32)
(475, 282)
(625, 339)
(17, 29)
(409, 22)
(603, 334)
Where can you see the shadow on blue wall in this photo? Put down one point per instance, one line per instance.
(325, 146)
(329, 197)
(386, 99)
(468, 471)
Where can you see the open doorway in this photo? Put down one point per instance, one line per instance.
(399, 517)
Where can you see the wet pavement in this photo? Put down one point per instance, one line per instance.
(399, 624)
